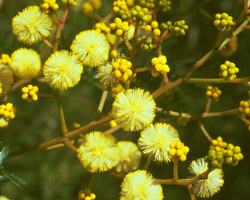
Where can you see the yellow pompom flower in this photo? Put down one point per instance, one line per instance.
(206, 188)
(105, 75)
(139, 185)
(134, 109)
(91, 47)
(98, 152)
(62, 70)
(198, 166)
(31, 25)
(25, 63)
(129, 157)
(155, 140)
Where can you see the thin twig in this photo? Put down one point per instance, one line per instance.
(60, 140)
(102, 100)
(148, 162)
(205, 133)
(190, 190)
(175, 171)
(112, 130)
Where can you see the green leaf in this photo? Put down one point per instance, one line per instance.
(3, 154)
(13, 178)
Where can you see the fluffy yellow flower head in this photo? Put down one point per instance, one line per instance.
(25, 63)
(62, 70)
(134, 109)
(98, 152)
(31, 25)
(206, 188)
(198, 166)
(105, 75)
(155, 140)
(129, 157)
(91, 47)
(139, 185)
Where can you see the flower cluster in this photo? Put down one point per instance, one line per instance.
(244, 107)
(221, 152)
(49, 4)
(90, 6)
(233, 154)
(223, 22)
(177, 28)
(165, 5)
(29, 92)
(160, 65)
(122, 69)
(154, 28)
(7, 112)
(228, 70)
(86, 196)
(141, 14)
(102, 28)
(74, 2)
(147, 43)
(148, 3)
(119, 27)
(121, 7)
(178, 151)
(213, 92)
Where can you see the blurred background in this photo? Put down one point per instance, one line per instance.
(57, 174)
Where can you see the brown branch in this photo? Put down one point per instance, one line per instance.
(60, 28)
(190, 190)
(141, 69)
(198, 64)
(205, 133)
(55, 141)
(183, 182)
(19, 84)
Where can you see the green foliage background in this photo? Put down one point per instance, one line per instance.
(58, 174)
